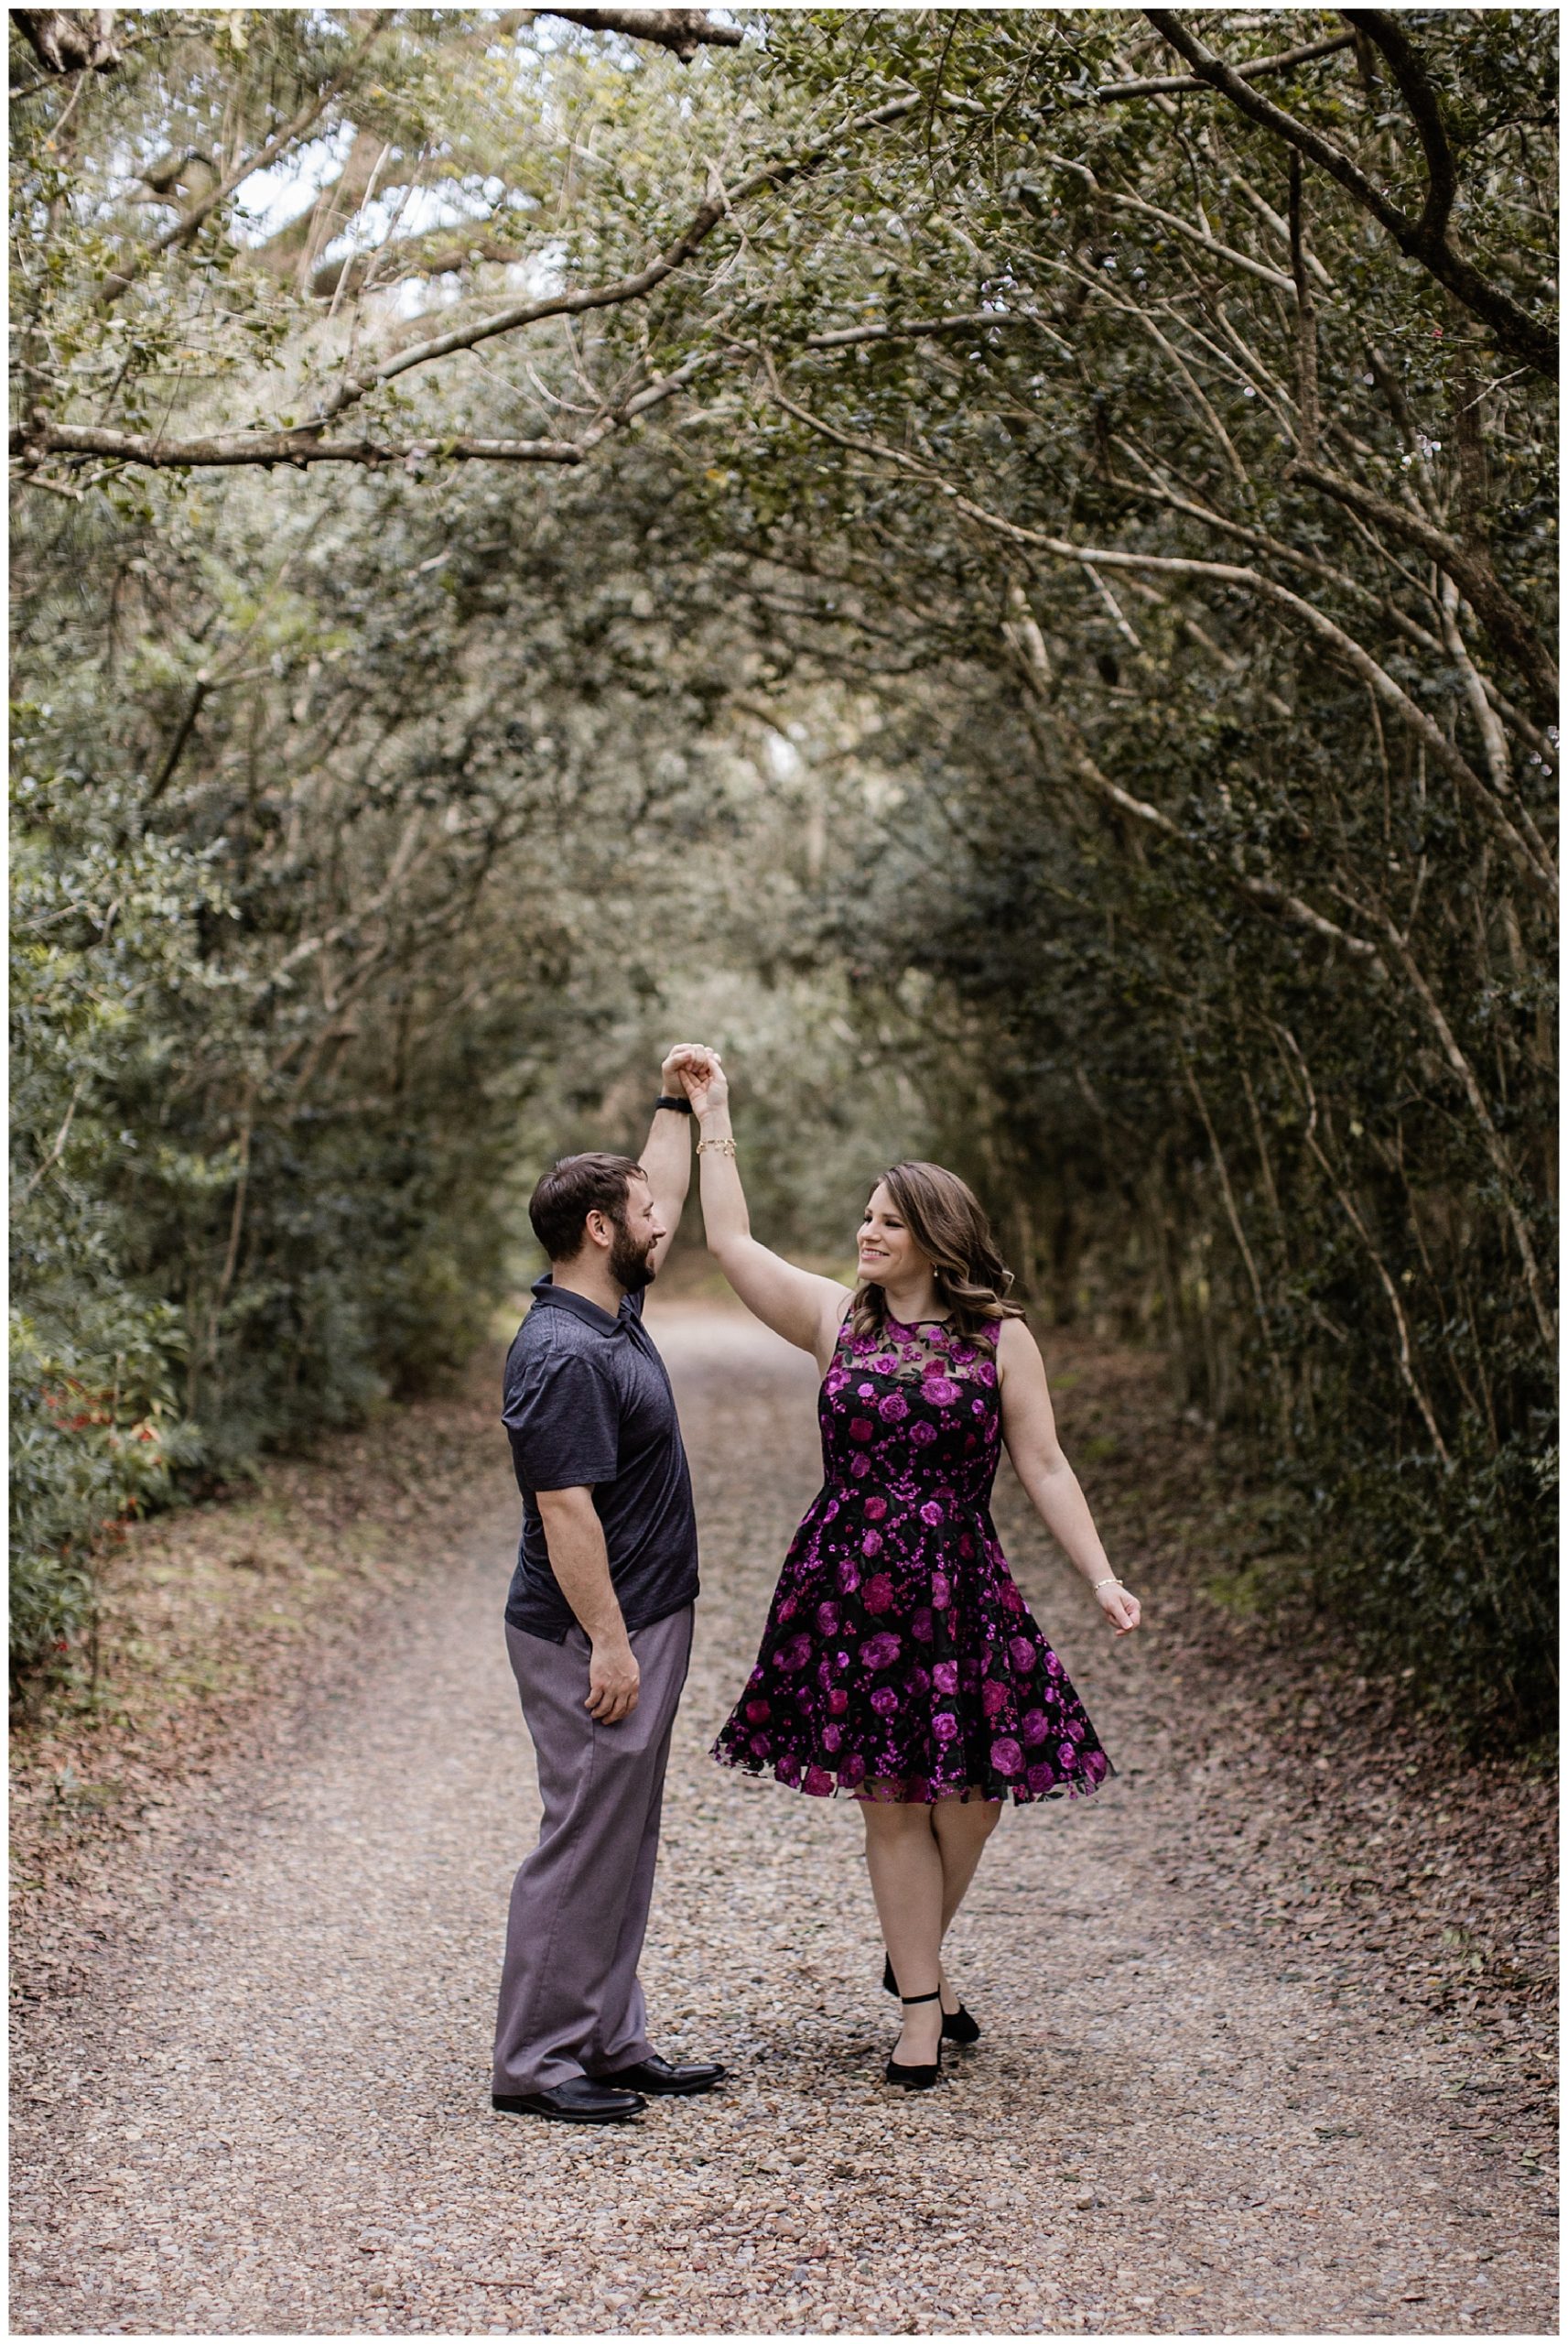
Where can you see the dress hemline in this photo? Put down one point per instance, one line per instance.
(1068, 1786)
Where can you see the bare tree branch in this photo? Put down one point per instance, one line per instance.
(1406, 1362)
(1487, 722)
(1519, 332)
(1306, 321)
(1238, 1231)
(185, 728)
(300, 448)
(684, 30)
(1501, 1162)
(304, 447)
(1511, 627)
(297, 247)
(1302, 558)
(66, 40)
(917, 329)
(1173, 84)
(1023, 638)
(1175, 222)
(1410, 75)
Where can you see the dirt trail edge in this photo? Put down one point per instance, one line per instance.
(265, 2110)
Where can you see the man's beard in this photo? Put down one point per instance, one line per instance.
(629, 1264)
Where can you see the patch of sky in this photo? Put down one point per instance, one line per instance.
(269, 199)
(410, 213)
(534, 277)
(783, 760)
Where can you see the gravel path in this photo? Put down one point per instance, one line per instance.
(268, 2114)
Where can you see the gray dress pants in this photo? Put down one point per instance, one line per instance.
(570, 2003)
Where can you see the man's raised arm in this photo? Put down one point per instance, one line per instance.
(666, 1157)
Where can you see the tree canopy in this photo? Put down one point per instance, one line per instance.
(1001, 562)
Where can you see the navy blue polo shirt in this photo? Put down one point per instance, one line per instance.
(589, 1405)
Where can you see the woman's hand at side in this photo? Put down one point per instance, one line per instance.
(1029, 1429)
(1123, 1611)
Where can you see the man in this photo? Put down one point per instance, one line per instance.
(598, 1622)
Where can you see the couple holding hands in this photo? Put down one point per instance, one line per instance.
(898, 1664)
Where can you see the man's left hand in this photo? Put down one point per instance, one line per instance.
(680, 1054)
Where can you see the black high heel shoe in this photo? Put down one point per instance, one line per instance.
(918, 2078)
(958, 2026)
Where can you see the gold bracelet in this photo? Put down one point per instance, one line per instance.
(718, 1146)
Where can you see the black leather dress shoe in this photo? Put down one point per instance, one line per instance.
(655, 2074)
(582, 2100)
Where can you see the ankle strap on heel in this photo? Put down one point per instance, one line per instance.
(907, 1999)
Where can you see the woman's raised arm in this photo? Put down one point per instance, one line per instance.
(804, 1308)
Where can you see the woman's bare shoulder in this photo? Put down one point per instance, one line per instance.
(1016, 1347)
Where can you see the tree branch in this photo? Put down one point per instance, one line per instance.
(1497, 1155)
(770, 175)
(1238, 1231)
(436, 252)
(1173, 221)
(1023, 638)
(66, 40)
(1509, 626)
(1173, 84)
(1303, 614)
(305, 446)
(1410, 73)
(1306, 321)
(684, 30)
(300, 448)
(1406, 1362)
(916, 329)
(1302, 558)
(295, 249)
(186, 725)
(1487, 722)
(1515, 330)
(186, 227)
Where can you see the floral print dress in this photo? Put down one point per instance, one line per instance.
(898, 1660)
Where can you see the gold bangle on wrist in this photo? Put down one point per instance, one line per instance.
(718, 1146)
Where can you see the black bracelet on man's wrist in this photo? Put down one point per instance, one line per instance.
(681, 1106)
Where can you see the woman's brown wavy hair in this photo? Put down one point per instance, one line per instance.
(943, 1215)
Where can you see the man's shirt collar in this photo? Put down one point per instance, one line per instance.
(562, 1297)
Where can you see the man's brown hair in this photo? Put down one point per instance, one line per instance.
(570, 1190)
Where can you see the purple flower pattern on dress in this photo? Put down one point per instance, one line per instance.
(899, 1659)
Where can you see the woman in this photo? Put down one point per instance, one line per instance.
(900, 1663)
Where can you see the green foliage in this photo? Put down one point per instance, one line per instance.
(101, 967)
(1038, 697)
